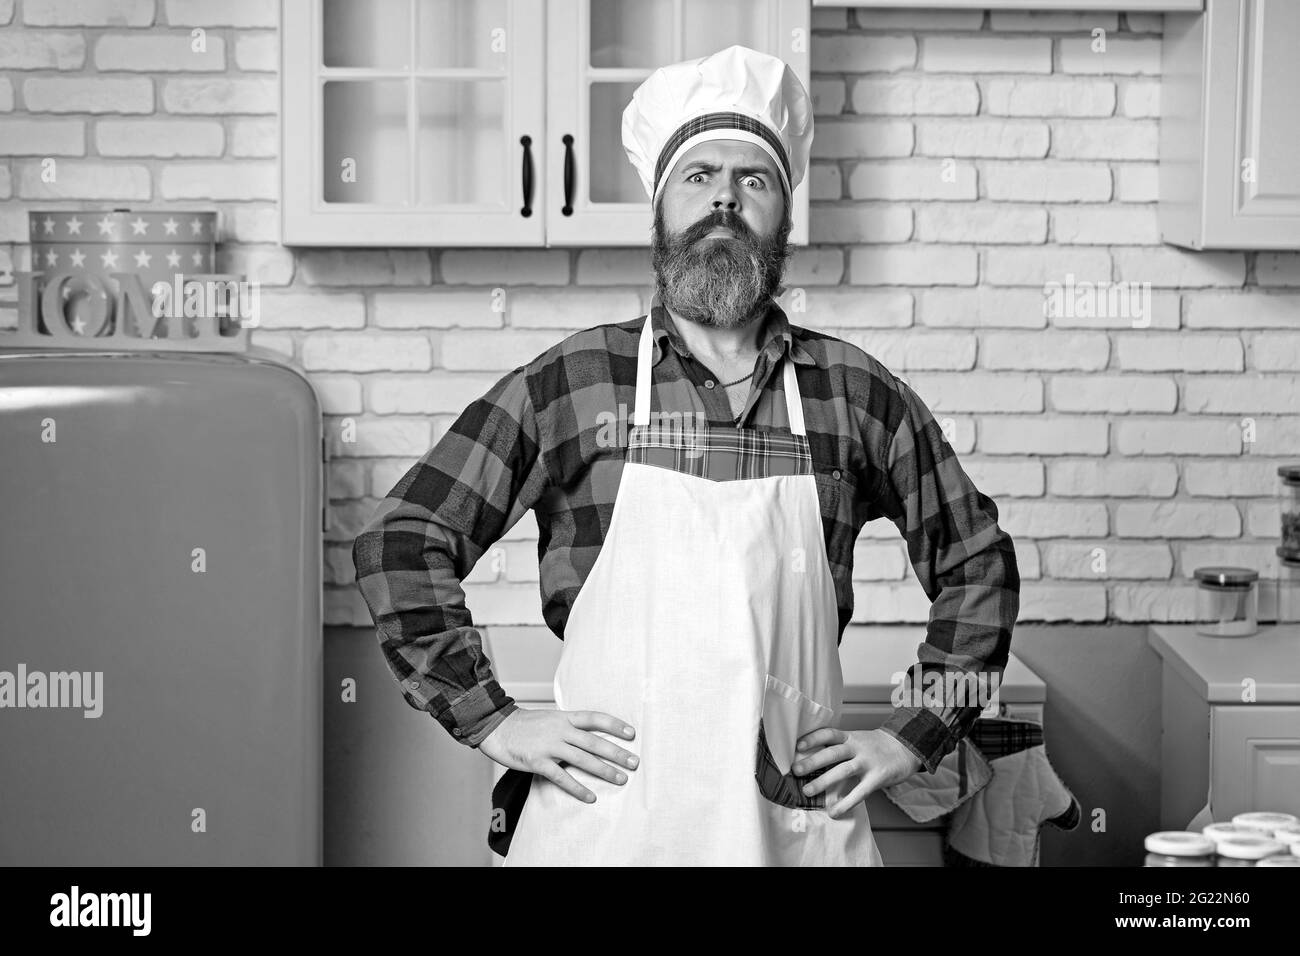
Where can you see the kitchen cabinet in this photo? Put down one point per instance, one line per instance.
(1229, 129)
(489, 122)
(524, 660)
(1230, 722)
(411, 122)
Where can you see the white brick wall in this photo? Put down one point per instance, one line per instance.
(962, 160)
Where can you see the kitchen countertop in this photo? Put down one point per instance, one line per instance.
(1216, 666)
(524, 660)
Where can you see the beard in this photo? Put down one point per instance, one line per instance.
(724, 281)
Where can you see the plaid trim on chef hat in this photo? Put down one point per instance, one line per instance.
(736, 93)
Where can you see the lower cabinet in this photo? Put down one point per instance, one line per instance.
(1230, 714)
(1255, 753)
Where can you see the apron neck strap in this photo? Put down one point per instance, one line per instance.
(644, 373)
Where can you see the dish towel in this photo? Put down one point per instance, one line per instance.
(994, 821)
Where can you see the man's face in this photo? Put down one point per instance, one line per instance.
(708, 275)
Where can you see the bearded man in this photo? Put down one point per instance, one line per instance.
(700, 575)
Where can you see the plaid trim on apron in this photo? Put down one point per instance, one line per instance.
(719, 454)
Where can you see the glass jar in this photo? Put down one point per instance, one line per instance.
(1279, 861)
(1245, 849)
(1289, 500)
(1179, 848)
(1227, 601)
(1288, 589)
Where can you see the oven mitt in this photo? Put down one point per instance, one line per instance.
(1001, 825)
(961, 774)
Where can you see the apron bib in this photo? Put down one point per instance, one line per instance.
(709, 624)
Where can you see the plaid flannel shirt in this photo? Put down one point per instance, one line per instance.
(539, 440)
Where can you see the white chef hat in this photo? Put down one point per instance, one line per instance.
(736, 93)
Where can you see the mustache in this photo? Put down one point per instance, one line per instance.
(727, 220)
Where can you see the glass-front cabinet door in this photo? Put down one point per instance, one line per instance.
(489, 122)
(598, 53)
(413, 122)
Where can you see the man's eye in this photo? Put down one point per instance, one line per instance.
(758, 182)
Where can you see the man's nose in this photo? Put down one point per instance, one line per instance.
(725, 196)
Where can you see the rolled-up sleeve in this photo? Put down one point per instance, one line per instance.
(965, 563)
(424, 540)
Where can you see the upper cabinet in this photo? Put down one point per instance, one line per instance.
(412, 122)
(490, 122)
(1229, 126)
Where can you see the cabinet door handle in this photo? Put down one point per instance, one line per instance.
(569, 173)
(527, 142)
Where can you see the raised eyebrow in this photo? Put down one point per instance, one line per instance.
(700, 164)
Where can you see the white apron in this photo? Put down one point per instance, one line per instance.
(709, 615)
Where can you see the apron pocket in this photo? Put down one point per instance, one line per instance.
(784, 789)
(508, 796)
(787, 716)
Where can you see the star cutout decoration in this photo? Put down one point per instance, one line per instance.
(74, 226)
(109, 259)
(79, 325)
(196, 227)
(174, 259)
(198, 258)
(142, 259)
(77, 257)
(170, 225)
(48, 223)
(51, 257)
(105, 227)
(138, 227)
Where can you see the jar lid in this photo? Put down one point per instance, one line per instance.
(1288, 835)
(1228, 577)
(1253, 846)
(1279, 861)
(1217, 831)
(1289, 472)
(1290, 558)
(1180, 843)
(1265, 822)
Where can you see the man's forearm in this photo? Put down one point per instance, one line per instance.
(967, 646)
(408, 570)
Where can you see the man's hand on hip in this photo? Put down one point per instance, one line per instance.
(877, 757)
(543, 741)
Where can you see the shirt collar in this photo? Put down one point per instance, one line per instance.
(777, 336)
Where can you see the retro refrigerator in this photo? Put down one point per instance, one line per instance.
(160, 609)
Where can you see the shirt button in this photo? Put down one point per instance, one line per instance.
(836, 474)
(708, 383)
(414, 683)
(458, 732)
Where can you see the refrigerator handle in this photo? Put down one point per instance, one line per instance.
(324, 483)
